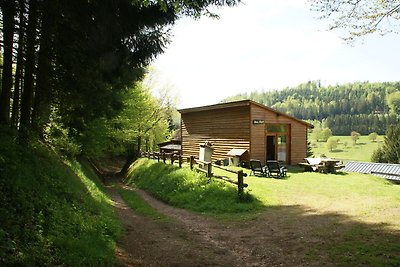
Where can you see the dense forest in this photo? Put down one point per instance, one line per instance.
(363, 107)
(72, 88)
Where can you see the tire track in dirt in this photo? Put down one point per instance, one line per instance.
(187, 240)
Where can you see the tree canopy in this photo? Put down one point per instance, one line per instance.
(360, 17)
(71, 62)
(362, 106)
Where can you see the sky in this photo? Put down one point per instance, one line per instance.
(266, 45)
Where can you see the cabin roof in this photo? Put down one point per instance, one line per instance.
(241, 103)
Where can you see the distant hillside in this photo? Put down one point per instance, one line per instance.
(364, 107)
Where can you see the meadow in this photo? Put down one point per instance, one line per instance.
(346, 151)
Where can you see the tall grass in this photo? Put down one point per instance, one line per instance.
(188, 189)
(51, 213)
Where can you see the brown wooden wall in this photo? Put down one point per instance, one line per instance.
(225, 128)
(297, 137)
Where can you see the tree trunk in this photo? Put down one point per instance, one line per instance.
(19, 69)
(132, 156)
(44, 92)
(27, 96)
(8, 10)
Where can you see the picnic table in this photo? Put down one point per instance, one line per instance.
(321, 164)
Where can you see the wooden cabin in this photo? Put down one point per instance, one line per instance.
(267, 134)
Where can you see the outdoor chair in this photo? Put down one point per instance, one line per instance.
(274, 168)
(257, 169)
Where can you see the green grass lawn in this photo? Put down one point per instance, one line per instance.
(348, 219)
(362, 151)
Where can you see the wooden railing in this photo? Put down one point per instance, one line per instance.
(202, 166)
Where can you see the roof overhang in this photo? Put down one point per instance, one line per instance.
(241, 103)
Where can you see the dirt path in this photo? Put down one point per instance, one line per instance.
(179, 242)
(193, 240)
(189, 239)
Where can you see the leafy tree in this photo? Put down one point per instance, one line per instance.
(360, 17)
(393, 101)
(354, 137)
(332, 143)
(373, 136)
(316, 133)
(326, 133)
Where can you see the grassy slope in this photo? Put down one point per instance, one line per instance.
(350, 218)
(187, 189)
(51, 213)
(362, 151)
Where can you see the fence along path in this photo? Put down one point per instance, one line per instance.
(203, 166)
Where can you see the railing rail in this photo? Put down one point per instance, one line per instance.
(202, 166)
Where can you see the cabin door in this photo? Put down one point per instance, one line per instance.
(271, 147)
(276, 147)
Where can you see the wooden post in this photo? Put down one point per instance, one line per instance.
(191, 162)
(209, 174)
(172, 158)
(240, 184)
(180, 161)
(163, 156)
(158, 157)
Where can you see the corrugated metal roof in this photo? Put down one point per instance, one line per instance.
(172, 147)
(384, 170)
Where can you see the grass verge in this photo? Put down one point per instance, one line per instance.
(136, 203)
(52, 213)
(188, 189)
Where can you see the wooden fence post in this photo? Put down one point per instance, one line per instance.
(191, 162)
(158, 157)
(209, 173)
(163, 156)
(240, 184)
(180, 161)
(172, 158)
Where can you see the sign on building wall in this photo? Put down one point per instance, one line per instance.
(258, 121)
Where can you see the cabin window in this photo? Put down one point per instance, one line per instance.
(277, 128)
(282, 145)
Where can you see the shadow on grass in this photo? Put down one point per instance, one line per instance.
(292, 235)
(336, 150)
(309, 237)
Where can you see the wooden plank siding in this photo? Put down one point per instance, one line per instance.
(224, 128)
(230, 125)
(297, 136)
